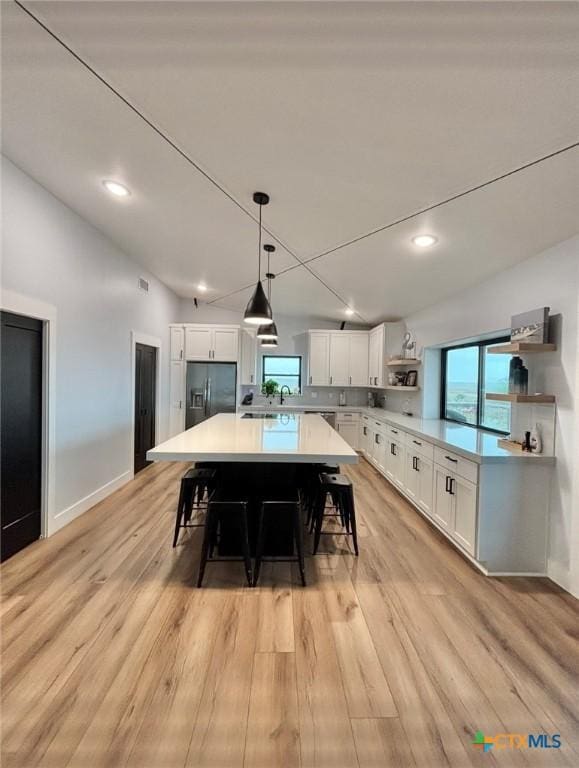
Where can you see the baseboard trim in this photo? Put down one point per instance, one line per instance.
(69, 514)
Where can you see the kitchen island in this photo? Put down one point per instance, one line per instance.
(288, 438)
(259, 457)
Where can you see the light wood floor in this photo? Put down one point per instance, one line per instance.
(111, 656)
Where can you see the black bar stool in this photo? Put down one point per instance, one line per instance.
(310, 487)
(216, 510)
(195, 482)
(269, 508)
(340, 489)
(327, 469)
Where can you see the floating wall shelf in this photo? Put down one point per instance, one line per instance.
(518, 347)
(405, 361)
(516, 398)
(402, 389)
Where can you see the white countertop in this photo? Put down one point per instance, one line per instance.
(293, 438)
(474, 444)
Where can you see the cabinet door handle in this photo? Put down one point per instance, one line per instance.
(415, 463)
(365, 430)
(451, 484)
(180, 404)
(394, 431)
(251, 377)
(376, 440)
(448, 484)
(416, 442)
(370, 380)
(180, 354)
(310, 379)
(375, 380)
(454, 461)
(331, 379)
(350, 379)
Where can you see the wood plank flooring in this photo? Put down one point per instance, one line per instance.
(111, 657)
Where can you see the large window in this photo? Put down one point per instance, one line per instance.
(284, 370)
(468, 373)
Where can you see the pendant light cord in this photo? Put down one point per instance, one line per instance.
(259, 247)
(268, 279)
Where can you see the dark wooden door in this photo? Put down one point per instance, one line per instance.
(145, 375)
(21, 444)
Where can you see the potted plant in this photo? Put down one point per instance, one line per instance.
(269, 388)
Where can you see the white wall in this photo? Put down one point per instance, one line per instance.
(52, 255)
(549, 279)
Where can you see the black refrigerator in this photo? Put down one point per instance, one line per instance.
(211, 388)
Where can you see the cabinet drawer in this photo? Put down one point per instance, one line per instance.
(342, 417)
(463, 467)
(418, 445)
(396, 433)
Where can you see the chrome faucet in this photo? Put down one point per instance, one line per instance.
(285, 386)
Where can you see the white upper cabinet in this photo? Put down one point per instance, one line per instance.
(225, 344)
(212, 342)
(248, 373)
(385, 342)
(339, 359)
(358, 359)
(376, 356)
(198, 343)
(319, 359)
(177, 343)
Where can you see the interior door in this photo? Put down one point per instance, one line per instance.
(145, 375)
(21, 444)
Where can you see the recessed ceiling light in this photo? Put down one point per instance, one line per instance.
(116, 188)
(202, 287)
(424, 241)
(349, 311)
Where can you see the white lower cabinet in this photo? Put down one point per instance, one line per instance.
(363, 440)
(443, 501)
(455, 507)
(176, 398)
(419, 479)
(395, 462)
(495, 512)
(464, 523)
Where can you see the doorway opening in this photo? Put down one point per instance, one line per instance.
(22, 420)
(145, 403)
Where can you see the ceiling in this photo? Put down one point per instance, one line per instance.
(351, 116)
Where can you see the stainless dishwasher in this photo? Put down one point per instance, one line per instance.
(330, 417)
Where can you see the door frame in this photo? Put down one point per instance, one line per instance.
(150, 341)
(28, 306)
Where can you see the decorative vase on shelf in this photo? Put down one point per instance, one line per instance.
(536, 439)
(518, 377)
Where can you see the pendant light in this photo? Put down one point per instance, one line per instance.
(258, 311)
(268, 332)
